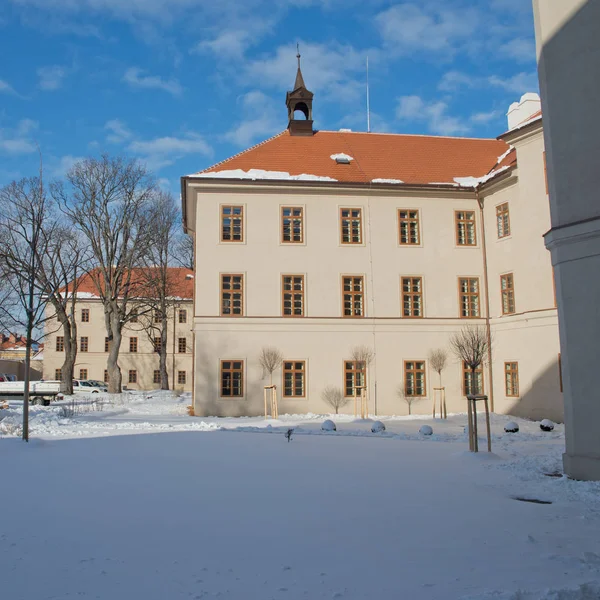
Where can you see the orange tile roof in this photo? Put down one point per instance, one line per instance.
(182, 285)
(412, 159)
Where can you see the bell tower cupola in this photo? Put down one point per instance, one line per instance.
(299, 105)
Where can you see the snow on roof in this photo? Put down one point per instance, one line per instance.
(473, 182)
(255, 174)
(341, 156)
(503, 156)
(383, 180)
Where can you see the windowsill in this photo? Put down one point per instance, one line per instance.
(504, 238)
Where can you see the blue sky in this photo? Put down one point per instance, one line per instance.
(181, 84)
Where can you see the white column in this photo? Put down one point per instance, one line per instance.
(568, 46)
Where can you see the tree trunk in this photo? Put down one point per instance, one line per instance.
(68, 366)
(27, 372)
(112, 365)
(164, 374)
(409, 408)
(474, 384)
(337, 410)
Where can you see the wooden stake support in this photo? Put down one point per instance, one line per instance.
(472, 400)
(440, 392)
(364, 402)
(270, 392)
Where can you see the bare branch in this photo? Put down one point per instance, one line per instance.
(270, 360)
(404, 395)
(362, 354)
(334, 397)
(471, 346)
(438, 359)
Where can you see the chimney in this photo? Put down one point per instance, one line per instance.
(520, 111)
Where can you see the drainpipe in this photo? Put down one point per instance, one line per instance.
(488, 329)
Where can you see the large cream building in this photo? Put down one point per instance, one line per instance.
(319, 242)
(137, 358)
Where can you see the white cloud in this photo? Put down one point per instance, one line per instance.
(162, 151)
(259, 120)
(18, 139)
(6, 88)
(328, 69)
(118, 131)
(519, 49)
(136, 78)
(51, 77)
(411, 27)
(65, 163)
(482, 118)
(228, 44)
(519, 83)
(434, 114)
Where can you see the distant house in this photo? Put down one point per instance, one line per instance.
(319, 242)
(138, 359)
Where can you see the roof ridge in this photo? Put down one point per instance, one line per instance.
(425, 135)
(244, 151)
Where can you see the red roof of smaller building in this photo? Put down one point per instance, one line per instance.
(181, 283)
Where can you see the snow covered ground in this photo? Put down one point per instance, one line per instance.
(227, 508)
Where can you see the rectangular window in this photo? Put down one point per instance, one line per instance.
(465, 228)
(232, 223)
(412, 296)
(58, 374)
(182, 315)
(292, 224)
(507, 287)
(85, 315)
(182, 345)
(83, 374)
(132, 376)
(156, 378)
(133, 344)
(294, 373)
(105, 375)
(351, 225)
(503, 220)
(470, 387)
(408, 227)
(181, 377)
(83, 344)
(414, 378)
(353, 291)
(106, 345)
(292, 295)
(156, 342)
(133, 315)
(511, 378)
(232, 378)
(468, 289)
(355, 376)
(232, 293)
(157, 316)
(60, 343)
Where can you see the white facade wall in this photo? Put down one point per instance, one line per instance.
(324, 339)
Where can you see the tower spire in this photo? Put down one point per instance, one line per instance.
(299, 99)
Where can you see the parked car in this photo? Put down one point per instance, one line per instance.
(98, 384)
(81, 386)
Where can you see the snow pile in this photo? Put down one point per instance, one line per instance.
(377, 427)
(503, 156)
(426, 430)
(546, 425)
(341, 157)
(381, 180)
(511, 427)
(473, 182)
(255, 174)
(328, 425)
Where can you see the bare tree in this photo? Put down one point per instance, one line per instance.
(184, 251)
(363, 354)
(24, 207)
(470, 345)
(437, 360)
(161, 287)
(334, 397)
(404, 395)
(270, 360)
(107, 199)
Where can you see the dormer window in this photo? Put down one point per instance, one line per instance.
(341, 158)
